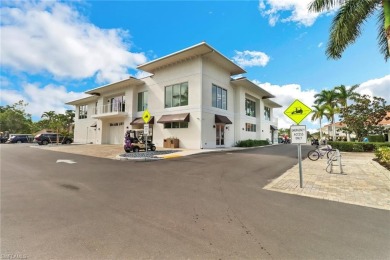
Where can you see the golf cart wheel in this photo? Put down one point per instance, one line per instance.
(127, 150)
(136, 149)
(153, 148)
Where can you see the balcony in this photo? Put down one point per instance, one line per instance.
(110, 111)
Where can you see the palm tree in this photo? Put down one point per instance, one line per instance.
(328, 99)
(346, 25)
(344, 94)
(70, 115)
(331, 111)
(318, 113)
(48, 115)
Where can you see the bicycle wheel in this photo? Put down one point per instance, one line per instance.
(331, 154)
(313, 155)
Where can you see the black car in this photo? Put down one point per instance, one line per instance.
(20, 138)
(48, 138)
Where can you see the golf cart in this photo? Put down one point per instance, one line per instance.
(135, 141)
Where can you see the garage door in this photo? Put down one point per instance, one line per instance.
(116, 133)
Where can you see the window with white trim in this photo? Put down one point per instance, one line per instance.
(267, 113)
(142, 101)
(176, 125)
(250, 127)
(176, 95)
(83, 111)
(219, 97)
(250, 107)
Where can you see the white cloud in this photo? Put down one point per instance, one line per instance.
(41, 99)
(320, 44)
(297, 11)
(49, 36)
(251, 58)
(376, 87)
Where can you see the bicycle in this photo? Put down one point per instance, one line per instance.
(318, 153)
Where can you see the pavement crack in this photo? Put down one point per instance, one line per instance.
(230, 214)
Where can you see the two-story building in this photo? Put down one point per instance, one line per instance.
(190, 95)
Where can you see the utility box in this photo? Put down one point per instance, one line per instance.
(167, 143)
(171, 143)
(174, 143)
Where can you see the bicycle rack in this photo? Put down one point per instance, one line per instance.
(336, 157)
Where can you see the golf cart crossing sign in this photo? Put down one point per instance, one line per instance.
(146, 116)
(297, 111)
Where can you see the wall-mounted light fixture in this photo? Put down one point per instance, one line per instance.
(213, 126)
(227, 128)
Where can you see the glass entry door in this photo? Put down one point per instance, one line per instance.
(220, 135)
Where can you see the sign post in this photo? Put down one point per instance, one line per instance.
(297, 111)
(299, 136)
(146, 118)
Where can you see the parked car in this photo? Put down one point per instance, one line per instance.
(47, 138)
(20, 138)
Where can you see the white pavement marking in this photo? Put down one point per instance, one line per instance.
(65, 161)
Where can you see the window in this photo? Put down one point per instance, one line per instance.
(118, 104)
(176, 125)
(250, 107)
(116, 124)
(250, 127)
(142, 101)
(219, 97)
(83, 112)
(267, 113)
(176, 95)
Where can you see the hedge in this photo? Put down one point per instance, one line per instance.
(376, 138)
(251, 143)
(383, 155)
(357, 146)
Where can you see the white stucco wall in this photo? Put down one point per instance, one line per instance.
(188, 71)
(200, 73)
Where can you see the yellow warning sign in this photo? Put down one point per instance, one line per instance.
(146, 116)
(297, 111)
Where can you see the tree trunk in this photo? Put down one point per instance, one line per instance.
(386, 8)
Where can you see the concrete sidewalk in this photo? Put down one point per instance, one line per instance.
(363, 181)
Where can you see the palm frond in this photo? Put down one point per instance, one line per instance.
(346, 26)
(324, 5)
(382, 39)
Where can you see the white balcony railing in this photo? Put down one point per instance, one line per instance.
(109, 109)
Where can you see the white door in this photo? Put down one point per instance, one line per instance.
(220, 135)
(116, 133)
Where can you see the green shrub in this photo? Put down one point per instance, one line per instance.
(251, 143)
(357, 146)
(376, 138)
(383, 155)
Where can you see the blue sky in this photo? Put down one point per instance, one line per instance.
(51, 52)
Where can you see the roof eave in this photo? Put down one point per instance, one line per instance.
(97, 91)
(197, 50)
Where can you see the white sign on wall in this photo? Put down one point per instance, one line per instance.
(298, 134)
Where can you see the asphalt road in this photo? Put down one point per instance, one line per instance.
(207, 206)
